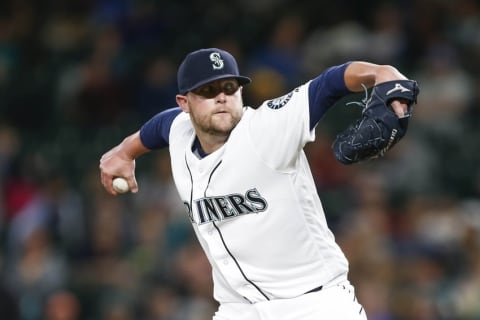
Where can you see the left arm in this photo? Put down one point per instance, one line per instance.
(369, 74)
(385, 112)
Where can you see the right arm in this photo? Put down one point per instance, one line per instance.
(120, 160)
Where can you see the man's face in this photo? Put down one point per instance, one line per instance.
(216, 107)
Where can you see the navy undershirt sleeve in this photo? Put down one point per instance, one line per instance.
(155, 132)
(325, 90)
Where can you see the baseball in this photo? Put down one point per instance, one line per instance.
(120, 185)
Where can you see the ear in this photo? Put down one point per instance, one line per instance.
(182, 102)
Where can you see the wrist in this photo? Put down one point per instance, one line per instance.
(131, 147)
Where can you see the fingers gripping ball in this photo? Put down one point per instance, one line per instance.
(379, 128)
(120, 185)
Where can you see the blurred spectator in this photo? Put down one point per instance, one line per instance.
(463, 32)
(323, 47)
(281, 52)
(93, 93)
(160, 301)
(193, 273)
(275, 67)
(266, 84)
(364, 235)
(37, 272)
(157, 88)
(387, 41)
(62, 305)
(447, 89)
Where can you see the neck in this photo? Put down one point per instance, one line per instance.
(210, 143)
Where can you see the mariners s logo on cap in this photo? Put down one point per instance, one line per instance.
(217, 60)
(207, 65)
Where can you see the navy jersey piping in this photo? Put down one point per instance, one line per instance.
(225, 245)
(218, 229)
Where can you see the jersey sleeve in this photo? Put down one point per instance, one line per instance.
(155, 132)
(325, 90)
(281, 127)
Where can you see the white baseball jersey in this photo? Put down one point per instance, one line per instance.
(254, 205)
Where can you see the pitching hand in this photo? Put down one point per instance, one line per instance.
(115, 163)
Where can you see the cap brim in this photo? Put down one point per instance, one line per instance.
(241, 80)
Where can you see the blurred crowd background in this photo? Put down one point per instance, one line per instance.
(76, 76)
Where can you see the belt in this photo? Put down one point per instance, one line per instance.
(314, 290)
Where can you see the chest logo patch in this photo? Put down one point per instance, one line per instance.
(280, 102)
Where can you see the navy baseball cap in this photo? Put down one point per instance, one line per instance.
(207, 65)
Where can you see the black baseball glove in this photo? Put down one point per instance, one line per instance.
(379, 128)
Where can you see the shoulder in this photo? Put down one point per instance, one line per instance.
(181, 123)
(155, 133)
(287, 101)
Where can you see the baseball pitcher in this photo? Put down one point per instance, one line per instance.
(246, 185)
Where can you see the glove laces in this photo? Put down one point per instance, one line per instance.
(363, 102)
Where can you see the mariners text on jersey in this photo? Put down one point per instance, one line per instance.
(208, 209)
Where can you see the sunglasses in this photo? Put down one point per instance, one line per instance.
(211, 90)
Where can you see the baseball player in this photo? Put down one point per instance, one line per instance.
(247, 187)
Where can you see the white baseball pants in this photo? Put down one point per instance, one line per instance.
(337, 302)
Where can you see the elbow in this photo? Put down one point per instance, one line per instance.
(360, 73)
(388, 73)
